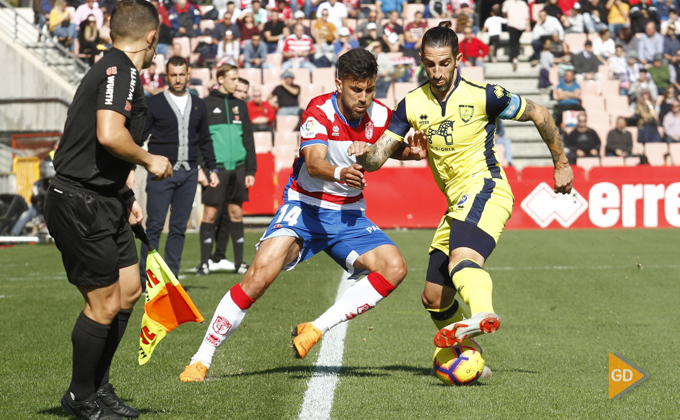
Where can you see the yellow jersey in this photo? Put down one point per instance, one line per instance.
(460, 130)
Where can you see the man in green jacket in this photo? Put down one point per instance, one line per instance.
(232, 137)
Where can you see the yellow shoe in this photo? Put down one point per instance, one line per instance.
(194, 373)
(306, 335)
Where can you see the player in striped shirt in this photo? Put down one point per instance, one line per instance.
(323, 210)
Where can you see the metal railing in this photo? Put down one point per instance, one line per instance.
(42, 46)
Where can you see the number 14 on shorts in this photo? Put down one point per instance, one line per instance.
(287, 216)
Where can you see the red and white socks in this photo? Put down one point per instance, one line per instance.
(228, 316)
(359, 298)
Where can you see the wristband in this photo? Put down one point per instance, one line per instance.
(336, 174)
(127, 195)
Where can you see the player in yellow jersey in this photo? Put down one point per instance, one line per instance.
(455, 122)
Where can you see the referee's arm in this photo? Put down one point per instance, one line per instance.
(116, 139)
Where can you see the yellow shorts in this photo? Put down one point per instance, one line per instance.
(485, 203)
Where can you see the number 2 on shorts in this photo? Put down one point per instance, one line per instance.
(290, 217)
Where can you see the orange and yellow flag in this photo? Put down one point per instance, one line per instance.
(167, 304)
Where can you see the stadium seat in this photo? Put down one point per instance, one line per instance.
(612, 161)
(411, 10)
(592, 103)
(202, 92)
(284, 156)
(207, 25)
(254, 76)
(588, 162)
(273, 75)
(287, 138)
(324, 77)
(500, 151)
(287, 123)
(263, 141)
(351, 25)
(205, 9)
(193, 42)
(302, 76)
(268, 88)
(674, 150)
(160, 63)
(184, 45)
(309, 92)
(476, 73)
(603, 69)
(401, 89)
(275, 60)
(655, 153)
(632, 161)
(610, 89)
(589, 87)
(575, 41)
(535, 10)
(617, 106)
(554, 75)
(202, 74)
(414, 163)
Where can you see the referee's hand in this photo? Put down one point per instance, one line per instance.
(160, 167)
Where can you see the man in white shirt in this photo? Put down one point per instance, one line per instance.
(545, 27)
(337, 12)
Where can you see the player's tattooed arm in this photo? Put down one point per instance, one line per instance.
(372, 156)
(545, 124)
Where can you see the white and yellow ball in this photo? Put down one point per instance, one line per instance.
(459, 365)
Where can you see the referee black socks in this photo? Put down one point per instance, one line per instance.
(207, 235)
(236, 231)
(89, 340)
(118, 326)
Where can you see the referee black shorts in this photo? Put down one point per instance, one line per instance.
(92, 233)
(231, 190)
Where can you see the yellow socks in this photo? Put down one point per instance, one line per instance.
(474, 285)
(446, 316)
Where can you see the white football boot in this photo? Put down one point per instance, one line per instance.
(222, 265)
(479, 323)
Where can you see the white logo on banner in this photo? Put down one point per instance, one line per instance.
(544, 206)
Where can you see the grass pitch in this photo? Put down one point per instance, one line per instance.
(566, 299)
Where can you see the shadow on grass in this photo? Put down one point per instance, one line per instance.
(303, 372)
(58, 411)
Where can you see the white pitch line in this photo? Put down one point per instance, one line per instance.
(318, 400)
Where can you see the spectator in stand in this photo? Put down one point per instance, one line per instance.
(300, 20)
(619, 140)
(41, 13)
(438, 9)
(106, 5)
(151, 81)
(393, 33)
(568, 95)
(262, 113)
(297, 49)
(413, 34)
(573, 24)
(617, 63)
(259, 14)
(88, 40)
(564, 65)
(383, 79)
(162, 11)
(228, 50)
(628, 41)
(604, 46)
(649, 44)
(494, 25)
(674, 62)
(646, 114)
(184, 19)
(234, 12)
(465, 17)
(547, 61)
(641, 14)
(663, 9)
(583, 141)
(671, 43)
(644, 83)
(337, 13)
(661, 74)
(517, 14)
(673, 20)
(285, 12)
(667, 102)
(323, 31)
(222, 27)
(354, 9)
(671, 123)
(247, 27)
(619, 13)
(372, 35)
(274, 32)
(386, 6)
(545, 27)
(553, 9)
(60, 24)
(105, 33)
(558, 47)
(362, 30)
(345, 43)
(586, 64)
(85, 10)
(255, 53)
(505, 141)
(286, 96)
(595, 14)
(473, 49)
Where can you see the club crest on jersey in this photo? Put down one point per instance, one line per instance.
(462, 201)
(466, 112)
(369, 130)
(443, 130)
(235, 109)
(499, 91)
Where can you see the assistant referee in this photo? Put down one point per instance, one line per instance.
(89, 209)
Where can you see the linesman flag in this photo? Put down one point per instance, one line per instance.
(167, 303)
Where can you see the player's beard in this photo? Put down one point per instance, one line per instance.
(446, 85)
(349, 107)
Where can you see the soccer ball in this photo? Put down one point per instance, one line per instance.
(459, 365)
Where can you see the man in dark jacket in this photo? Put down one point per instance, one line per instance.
(232, 136)
(583, 141)
(177, 127)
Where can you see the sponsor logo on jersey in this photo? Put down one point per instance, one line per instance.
(111, 71)
(466, 112)
(307, 129)
(423, 119)
(133, 83)
(462, 200)
(336, 130)
(221, 325)
(217, 111)
(443, 130)
(108, 96)
(128, 106)
(369, 130)
(277, 226)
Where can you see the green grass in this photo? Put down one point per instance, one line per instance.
(566, 299)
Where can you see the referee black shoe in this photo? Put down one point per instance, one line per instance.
(114, 403)
(90, 410)
(202, 270)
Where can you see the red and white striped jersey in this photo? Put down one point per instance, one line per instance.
(323, 124)
(292, 45)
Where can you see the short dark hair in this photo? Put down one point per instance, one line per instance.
(358, 64)
(441, 36)
(176, 61)
(244, 81)
(133, 19)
